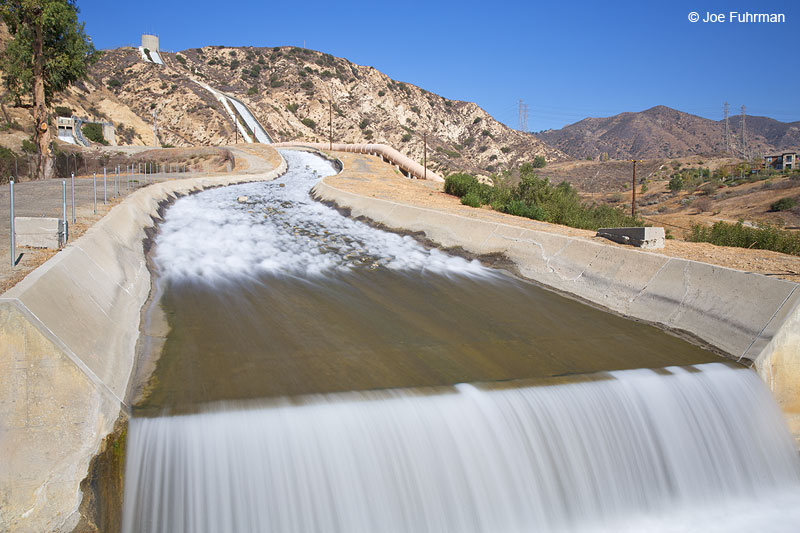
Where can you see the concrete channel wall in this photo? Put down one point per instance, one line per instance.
(748, 316)
(68, 335)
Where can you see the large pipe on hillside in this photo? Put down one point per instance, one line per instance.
(381, 150)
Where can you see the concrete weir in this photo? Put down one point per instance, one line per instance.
(68, 334)
(747, 316)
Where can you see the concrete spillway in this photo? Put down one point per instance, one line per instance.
(236, 109)
(692, 449)
(314, 379)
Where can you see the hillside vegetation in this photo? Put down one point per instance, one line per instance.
(289, 90)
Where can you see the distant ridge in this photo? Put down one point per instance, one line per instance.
(663, 132)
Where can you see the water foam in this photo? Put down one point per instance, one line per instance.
(696, 449)
(279, 229)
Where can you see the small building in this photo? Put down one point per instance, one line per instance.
(781, 161)
(149, 49)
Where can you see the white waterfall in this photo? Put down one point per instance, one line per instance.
(698, 449)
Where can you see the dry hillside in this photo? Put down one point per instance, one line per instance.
(288, 90)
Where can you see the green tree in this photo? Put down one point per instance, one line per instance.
(539, 161)
(48, 51)
(676, 183)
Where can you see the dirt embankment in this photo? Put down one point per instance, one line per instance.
(369, 176)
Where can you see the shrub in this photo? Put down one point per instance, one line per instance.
(449, 153)
(364, 123)
(784, 204)
(309, 123)
(520, 209)
(471, 199)
(252, 90)
(292, 107)
(7, 164)
(381, 93)
(477, 119)
(406, 137)
(763, 237)
(537, 198)
(113, 83)
(180, 59)
(62, 111)
(234, 64)
(28, 146)
(539, 161)
(307, 85)
(459, 184)
(415, 109)
(676, 183)
(505, 149)
(94, 132)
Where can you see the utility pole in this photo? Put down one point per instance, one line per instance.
(425, 155)
(633, 190)
(330, 119)
(523, 116)
(744, 135)
(727, 130)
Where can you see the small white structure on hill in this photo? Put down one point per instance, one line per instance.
(149, 49)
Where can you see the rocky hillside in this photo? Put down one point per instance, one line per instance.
(662, 132)
(289, 89)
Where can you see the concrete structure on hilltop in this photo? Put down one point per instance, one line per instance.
(149, 49)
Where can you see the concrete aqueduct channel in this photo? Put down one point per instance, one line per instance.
(70, 333)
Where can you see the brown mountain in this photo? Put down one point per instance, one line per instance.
(288, 89)
(662, 132)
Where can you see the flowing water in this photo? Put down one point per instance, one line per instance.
(323, 375)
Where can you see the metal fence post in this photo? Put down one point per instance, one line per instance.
(94, 188)
(64, 208)
(105, 189)
(13, 239)
(73, 197)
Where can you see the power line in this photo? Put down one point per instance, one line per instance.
(523, 116)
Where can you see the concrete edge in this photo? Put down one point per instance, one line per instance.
(677, 294)
(98, 283)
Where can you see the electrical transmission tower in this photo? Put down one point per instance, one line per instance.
(523, 116)
(744, 136)
(727, 131)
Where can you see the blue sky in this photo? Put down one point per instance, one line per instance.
(567, 60)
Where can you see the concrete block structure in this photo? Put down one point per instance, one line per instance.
(150, 42)
(39, 232)
(650, 238)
